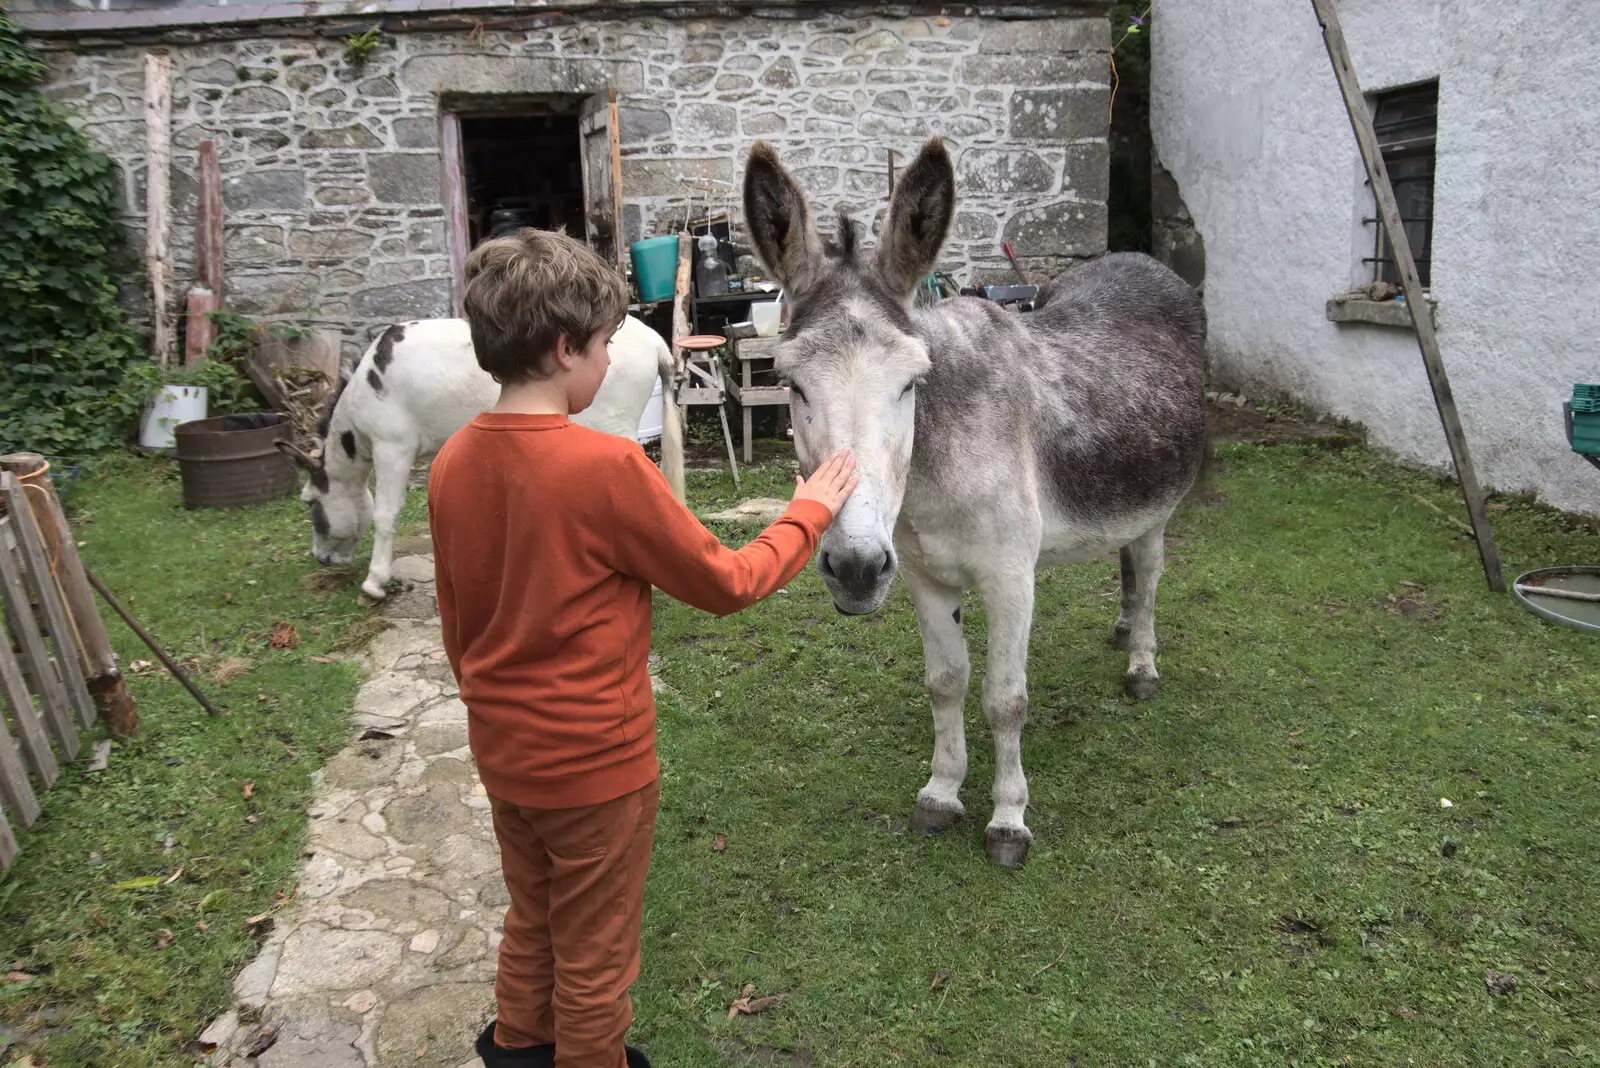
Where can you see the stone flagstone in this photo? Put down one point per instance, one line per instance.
(386, 956)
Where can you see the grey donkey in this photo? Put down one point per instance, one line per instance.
(989, 443)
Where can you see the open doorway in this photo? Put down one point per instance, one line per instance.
(522, 170)
(550, 162)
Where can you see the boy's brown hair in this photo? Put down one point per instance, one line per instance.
(528, 289)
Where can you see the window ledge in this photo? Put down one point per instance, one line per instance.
(1377, 312)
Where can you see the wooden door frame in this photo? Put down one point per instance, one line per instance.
(606, 99)
(454, 188)
(455, 205)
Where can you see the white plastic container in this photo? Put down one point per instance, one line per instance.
(650, 421)
(173, 405)
(767, 315)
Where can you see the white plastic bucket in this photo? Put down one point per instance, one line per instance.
(173, 405)
(766, 315)
(650, 421)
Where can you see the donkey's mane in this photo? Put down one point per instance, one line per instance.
(325, 423)
(844, 247)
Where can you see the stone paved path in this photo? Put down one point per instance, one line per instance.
(387, 955)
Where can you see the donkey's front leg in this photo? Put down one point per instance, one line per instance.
(1141, 572)
(945, 673)
(1008, 600)
(393, 465)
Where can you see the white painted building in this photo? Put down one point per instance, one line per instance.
(1248, 122)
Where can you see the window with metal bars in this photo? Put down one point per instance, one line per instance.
(1406, 122)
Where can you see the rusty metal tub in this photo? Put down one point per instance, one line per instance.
(230, 460)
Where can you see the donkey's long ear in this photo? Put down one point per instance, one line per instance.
(780, 223)
(919, 217)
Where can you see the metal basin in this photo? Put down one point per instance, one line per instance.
(1579, 615)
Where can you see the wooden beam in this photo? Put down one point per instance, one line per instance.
(1389, 214)
(680, 298)
(58, 624)
(105, 680)
(158, 196)
(208, 223)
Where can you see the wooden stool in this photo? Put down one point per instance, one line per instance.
(703, 383)
(749, 352)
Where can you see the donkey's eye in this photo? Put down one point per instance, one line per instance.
(798, 392)
(904, 393)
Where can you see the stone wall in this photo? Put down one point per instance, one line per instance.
(332, 175)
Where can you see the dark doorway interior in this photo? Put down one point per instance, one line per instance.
(522, 170)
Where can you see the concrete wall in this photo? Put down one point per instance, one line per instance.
(332, 183)
(1247, 119)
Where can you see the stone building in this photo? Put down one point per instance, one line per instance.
(1490, 125)
(352, 188)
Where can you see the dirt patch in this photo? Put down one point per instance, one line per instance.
(1410, 601)
(326, 580)
(358, 633)
(1302, 935)
(1229, 420)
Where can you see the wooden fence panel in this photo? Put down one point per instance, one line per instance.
(38, 570)
(56, 620)
(30, 731)
(14, 788)
(36, 659)
(8, 843)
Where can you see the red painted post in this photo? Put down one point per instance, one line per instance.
(200, 331)
(208, 222)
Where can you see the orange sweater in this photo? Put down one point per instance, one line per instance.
(547, 538)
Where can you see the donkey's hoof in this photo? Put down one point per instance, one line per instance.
(936, 817)
(1121, 636)
(1141, 687)
(375, 590)
(1008, 846)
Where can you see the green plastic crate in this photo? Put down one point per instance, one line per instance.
(1583, 412)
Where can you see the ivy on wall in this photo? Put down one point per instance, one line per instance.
(65, 343)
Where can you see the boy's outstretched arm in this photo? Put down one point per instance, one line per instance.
(657, 539)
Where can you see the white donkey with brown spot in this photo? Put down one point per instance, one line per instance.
(417, 384)
(988, 443)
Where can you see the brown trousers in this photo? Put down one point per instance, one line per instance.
(571, 947)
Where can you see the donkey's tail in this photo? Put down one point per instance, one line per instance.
(671, 424)
(1205, 477)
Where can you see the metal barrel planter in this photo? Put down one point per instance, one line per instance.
(230, 460)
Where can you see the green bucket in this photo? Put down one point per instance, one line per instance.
(1583, 419)
(655, 267)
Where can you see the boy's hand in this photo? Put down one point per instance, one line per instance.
(831, 484)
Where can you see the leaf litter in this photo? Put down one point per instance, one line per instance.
(747, 1004)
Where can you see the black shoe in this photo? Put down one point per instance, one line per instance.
(636, 1058)
(527, 1057)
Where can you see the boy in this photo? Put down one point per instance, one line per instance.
(547, 540)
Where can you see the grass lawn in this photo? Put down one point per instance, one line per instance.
(1254, 868)
(209, 585)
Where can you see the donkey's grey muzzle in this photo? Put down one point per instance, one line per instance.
(858, 578)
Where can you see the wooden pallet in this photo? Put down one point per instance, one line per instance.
(45, 696)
